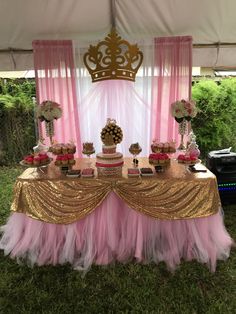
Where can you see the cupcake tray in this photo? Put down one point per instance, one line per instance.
(24, 164)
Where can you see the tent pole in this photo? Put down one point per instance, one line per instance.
(214, 45)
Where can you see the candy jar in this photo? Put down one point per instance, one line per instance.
(135, 149)
(88, 150)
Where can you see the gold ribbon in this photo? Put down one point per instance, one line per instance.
(174, 194)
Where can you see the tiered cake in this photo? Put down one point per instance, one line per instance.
(109, 162)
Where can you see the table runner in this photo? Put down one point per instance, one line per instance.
(174, 194)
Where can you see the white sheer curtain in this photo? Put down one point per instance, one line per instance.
(127, 102)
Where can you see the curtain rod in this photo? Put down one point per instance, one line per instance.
(15, 50)
(214, 45)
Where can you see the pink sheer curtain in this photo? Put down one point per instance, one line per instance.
(55, 80)
(172, 81)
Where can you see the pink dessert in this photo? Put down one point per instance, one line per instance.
(71, 159)
(58, 160)
(88, 172)
(161, 158)
(64, 160)
(181, 158)
(188, 159)
(70, 156)
(133, 171)
(43, 158)
(37, 161)
(29, 159)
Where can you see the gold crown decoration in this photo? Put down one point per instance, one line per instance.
(113, 58)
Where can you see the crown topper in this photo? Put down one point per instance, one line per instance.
(113, 58)
(109, 121)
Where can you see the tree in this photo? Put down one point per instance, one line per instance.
(213, 125)
(17, 126)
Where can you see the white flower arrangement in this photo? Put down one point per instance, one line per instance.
(48, 111)
(182, 109)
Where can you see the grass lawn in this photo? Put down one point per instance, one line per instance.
(130, 288)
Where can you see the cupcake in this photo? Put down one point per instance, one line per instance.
(52, 149)
(29, 159)
(58, 160)
(181, 158)
(193, 159)
(187, 160)
(64, 160)
(43, 158)
(154, 147)
(57, 149)
(36, 161)
(71, 160)
(166, 158)
(162, 159)
(172, 147)
(64, 149)
(166, 147)
(160, 146)
(71, 149)
(153, 158)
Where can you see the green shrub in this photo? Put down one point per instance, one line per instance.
(17, 127)
(214, 124)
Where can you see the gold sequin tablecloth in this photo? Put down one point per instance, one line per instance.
(50, 196)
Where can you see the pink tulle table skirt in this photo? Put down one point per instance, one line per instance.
(115, 232)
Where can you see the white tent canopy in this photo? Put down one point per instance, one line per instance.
(207, 21)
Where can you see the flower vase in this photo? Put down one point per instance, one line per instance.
(49, 129)
(182, 132)
(189, 127)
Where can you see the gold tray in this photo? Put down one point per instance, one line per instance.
(198, 161)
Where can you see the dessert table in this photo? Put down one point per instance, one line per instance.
(168, 217)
